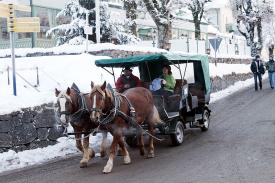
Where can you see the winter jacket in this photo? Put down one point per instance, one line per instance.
(270, 66)
(257, 66)
(133, 81)
(170, 83)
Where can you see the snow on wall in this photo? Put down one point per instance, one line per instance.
(78, 49)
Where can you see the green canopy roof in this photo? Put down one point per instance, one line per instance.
(136, 60)
(158, 58)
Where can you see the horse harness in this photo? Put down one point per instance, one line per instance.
(83, 109)
(116, 112)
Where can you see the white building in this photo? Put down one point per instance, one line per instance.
(220, 15)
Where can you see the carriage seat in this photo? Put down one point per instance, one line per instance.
(178, 85)
(198, 91)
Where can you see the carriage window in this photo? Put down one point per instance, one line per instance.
(189, 75)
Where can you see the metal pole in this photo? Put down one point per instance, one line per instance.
(13, 62)
(97, 6)
(32, 34)
(187, 41)
(37, 77)
(215, 52)
(197, 45)
(8, 72)
(87, 35)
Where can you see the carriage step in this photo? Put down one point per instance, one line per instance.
(196, 124)
(172, 114)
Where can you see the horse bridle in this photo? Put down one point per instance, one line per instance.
(78, 114)
(94, 108)
(108, 118)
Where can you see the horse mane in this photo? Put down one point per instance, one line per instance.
(63, 93)
(107, 92)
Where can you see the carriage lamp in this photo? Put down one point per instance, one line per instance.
(208, 51)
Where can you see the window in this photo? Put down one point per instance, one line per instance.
(188, 75)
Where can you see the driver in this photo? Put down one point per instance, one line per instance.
(127, 80)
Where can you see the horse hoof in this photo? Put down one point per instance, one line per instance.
(107, 169)
(83, 165)
(142, 153)
(151, 155)
(127, 160)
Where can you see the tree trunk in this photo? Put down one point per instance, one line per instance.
(164, 36)
(260, 36)
(88, 4)
(131, 13)
(254, 50)
(197, 29)
(271, 50)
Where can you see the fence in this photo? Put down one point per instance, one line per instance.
(228, 48)
(27, 43)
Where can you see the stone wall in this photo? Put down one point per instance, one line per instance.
(220, 83)
(36, 127)
(28, 129)
(230, 60)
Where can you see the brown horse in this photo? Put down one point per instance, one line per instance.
(114, 111)
(73, 107)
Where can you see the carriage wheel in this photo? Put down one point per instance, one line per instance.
(131, 141)
(206, 121)
(178, 137)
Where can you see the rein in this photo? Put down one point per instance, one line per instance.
(81, 111)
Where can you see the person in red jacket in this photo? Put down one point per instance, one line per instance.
(127, 80)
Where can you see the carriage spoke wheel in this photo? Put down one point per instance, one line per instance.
(178, 137)
(206, 121)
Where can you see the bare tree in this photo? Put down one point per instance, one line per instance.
(197, 9)
(160, 11)
(131, 14)
(250, 15)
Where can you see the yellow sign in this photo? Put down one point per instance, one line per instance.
(22, 8)
(4, 10)
(4, 5)
(27, 29)
(27, 24)
(27, 19)
(24, 24)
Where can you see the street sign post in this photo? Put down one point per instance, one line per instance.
(14, 24)
(215, 43)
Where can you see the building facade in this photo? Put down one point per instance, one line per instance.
(182, 26)
(46, 11)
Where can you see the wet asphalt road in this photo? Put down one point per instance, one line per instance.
(239, 147)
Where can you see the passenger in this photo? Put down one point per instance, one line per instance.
(127, 80)
(167, 82)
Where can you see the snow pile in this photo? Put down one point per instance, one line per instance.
(78, 49)
(11, 160)
(54, 72)
(224, 69)
(234, 88)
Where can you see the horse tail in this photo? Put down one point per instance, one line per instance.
(155, 118)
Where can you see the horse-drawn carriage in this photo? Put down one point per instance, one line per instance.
(189, 102)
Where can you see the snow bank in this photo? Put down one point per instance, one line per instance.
(11, 160)
(77, 49)
(61, 71)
